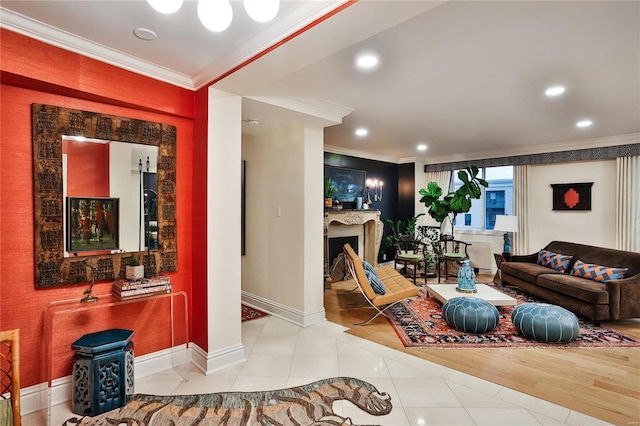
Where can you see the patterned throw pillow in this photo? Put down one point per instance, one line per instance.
(598, 273)
(553, 260)
(375, 282)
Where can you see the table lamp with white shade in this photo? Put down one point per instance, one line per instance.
(507, 224)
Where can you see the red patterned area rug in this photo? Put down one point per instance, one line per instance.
(249, 313)
(419, 324)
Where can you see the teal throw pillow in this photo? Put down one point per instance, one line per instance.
(375, 282)
(597, 273)
(553, 260)
(369, 268)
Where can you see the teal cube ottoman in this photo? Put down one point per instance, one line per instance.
(545, 323)
(470, 314)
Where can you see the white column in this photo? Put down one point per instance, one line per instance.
(223, 230)
(313, 243)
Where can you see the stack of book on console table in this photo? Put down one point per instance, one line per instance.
(144, 287)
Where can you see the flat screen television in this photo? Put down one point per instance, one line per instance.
(92, 224)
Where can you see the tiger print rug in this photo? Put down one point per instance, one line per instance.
(310, 404)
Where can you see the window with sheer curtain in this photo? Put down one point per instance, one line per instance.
(496, 199)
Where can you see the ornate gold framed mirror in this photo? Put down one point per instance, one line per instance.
(56, 260)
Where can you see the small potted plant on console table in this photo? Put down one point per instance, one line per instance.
(134, 270)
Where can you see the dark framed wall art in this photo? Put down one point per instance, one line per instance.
(92, 224)
(572, 196)
(350, 182)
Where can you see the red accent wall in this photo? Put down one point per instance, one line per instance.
(199, 186)
(32, 73)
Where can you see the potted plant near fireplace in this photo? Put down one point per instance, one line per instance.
(329, 190)
(399, 228)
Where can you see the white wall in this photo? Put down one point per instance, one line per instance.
(594, 227)
(282, 269)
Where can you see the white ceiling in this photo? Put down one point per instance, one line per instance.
(465, 77)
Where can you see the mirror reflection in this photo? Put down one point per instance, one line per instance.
(110, 192)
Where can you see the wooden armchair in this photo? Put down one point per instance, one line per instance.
(10, 377)
(410, 251)
(450, 253)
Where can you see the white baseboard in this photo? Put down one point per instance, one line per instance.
(303, 319)
(35, 398)
(208, 363)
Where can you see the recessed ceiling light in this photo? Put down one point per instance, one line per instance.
(362, 132)
(421, 147)
(584, 123)
(145, 34)
(554, 91)
(367, 61)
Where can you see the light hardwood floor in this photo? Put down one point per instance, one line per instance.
(600, 382)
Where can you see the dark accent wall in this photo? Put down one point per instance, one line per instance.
(398, 198)
(406, 190)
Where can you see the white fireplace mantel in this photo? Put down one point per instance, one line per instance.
(369, 219)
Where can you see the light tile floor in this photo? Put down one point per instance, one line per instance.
(280, 355)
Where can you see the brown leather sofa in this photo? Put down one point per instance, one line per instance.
(613, 300)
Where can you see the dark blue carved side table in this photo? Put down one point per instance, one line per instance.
(102, 371)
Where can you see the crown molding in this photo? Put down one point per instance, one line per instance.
(528, 150)
(360, 154)
(280, 96)
(405, 160)
(47, 34)
(296, 18)
(539, 149)
(291, 21)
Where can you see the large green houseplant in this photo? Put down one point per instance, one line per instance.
(398, 228)
(447, 206)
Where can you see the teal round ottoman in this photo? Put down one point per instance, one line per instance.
(545, 323)
(470, 314)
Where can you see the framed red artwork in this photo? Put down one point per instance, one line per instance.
(572, 196)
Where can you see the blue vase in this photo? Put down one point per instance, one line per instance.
(466, 278)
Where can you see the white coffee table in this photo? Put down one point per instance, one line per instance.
(445, 292)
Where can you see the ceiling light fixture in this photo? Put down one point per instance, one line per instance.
(216, 15)
(262, 10)
(554, 91)
(361, 132)
(166, 6)
(584, 123)
(421, 147)
(367, 61)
